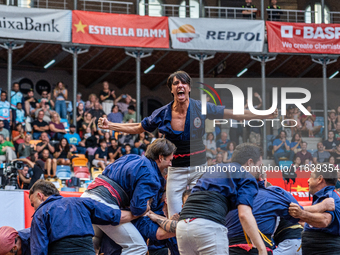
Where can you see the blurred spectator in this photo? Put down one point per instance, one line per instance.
(304, 154)
(39, 125)
(309, 125)
(141, 143)
(332, 120)
(100, 156)
(235, 131)
(297, 116)
(74, 139)
(5, 110)
(331, 161)
(274, 15)
(47, 111)
(79, 100)
(45, 144)
(321, 155)
(337, 132)
(90, 103)
(63, 152)
(247, 14)
(107, 137)
(89, 122)
(7, 150)
(115, 116)
(36, 166)
(210, 161)
(281, 147)
(107, 97)
(97, 112)
(158, 135)
(4, 131)
(31, 104)
(229, 153)
(46, 99)
(114, 151)
(123, 106)
(60, 94)
(295, 144)
(131, 115)
(48, 162)
(57, 129)
(23, 178)
(18, 135)
(210, 145)
(330, 144)
(290, 174)
(19, 114)
(125, 138)
(16, 96)
(255, 133)
(219, 158)
(91, 142)
(80, 116)
(25, 149)
(221, 144)
(336, 154)
(127, 149)
(338, 113)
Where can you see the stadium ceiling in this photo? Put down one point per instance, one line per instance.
(112, 64)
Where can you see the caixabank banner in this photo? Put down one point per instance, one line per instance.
(119, 30)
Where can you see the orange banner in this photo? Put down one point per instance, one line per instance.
(120, 30)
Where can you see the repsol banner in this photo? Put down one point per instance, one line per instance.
(215, 34)
(35, 24)
(303, 38)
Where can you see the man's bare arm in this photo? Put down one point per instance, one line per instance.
(325, 205)
(130, 128)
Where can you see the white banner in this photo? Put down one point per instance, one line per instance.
(35, 24)
(12, 209)
(217, 34)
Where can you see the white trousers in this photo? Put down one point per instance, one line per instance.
(202, 237)
(126, 235)
(178, 180)
(289, 247)
(10, 155)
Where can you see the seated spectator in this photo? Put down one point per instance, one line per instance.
(45, 144)
(248, 14)
(46, 99)
(100, 156)
(337, 132)
(19, 114)
(49, 163)
(336, 154)
(7, 150)
(4, 131)
(304, 154)
(47, 111)
(210, 145)
(107, 137)
(39, 126)
(125, 138)
(36, 166)
(25, 149)
(219, 158)
(23, 179)
(331, 161)
(141, 143)
(222, 143)
(5, 110)
(332, 120)
(229, 153)
(91, 142)
(131, 115)
(295, 144)
(97, 112)
(74, 139)
(57, 129)
(330, 144)
(274, 15)
(89, 122)
(63, 152)
(123, 106)
(80, 116)
(290, 174)
(321, 155)
(91, 102)
(127, 149)
(107, 97)
(281, 147)
(297, 117)
(60, 94)
(18, 135)
(307, 122)
(158, 135)
(31, 104)
(115, 116)
(16, 96)
(210, 161)
(79, 100)
(114, 151)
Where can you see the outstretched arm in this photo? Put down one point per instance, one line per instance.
(130, 128)
(326, 205)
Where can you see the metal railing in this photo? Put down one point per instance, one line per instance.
(297, 16)
(229, 12)
(106, 6)
(334, 17)
(50, 4)
(169, 10)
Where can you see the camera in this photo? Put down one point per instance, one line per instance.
(9, 173)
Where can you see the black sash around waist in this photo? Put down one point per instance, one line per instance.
(209, 205)
(188, 153)
(320, 243)
(242, 240)
(72, 245)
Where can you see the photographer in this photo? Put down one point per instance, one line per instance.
(22, 179)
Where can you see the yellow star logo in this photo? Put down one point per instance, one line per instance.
(80, 27)
(299, 188)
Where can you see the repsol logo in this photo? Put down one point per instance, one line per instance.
(230, 35)
(29, 24)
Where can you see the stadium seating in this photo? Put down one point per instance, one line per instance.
(79, 161)
(80, 169)
(64, 172)
(286, 163)
(83, 175)
(68, 189)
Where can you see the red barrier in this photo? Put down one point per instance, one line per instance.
(29, 210)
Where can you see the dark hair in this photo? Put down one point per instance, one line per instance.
(113, 106)
(209, 134)
(330, 175)
(186, 192)
(245, 151)
(46, 187)
(67, 146)
(131, 107)
(231, 142)
(18, 124)
(293, 138)
(102, 141)
(331, 131)
(295, 157)
(113, 139)
(278, 136)
(3, 92)
(180, 75)
(32, 157)
(160, 146)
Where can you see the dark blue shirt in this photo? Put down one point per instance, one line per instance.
(334, 226)
(25, 235)
(140, 178)
(268, 205)
(101, 153)
(59, 217)
(223, 146)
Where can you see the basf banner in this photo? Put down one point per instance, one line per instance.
(35, 24)
(303, 38)
(217, 34)
(120, 30)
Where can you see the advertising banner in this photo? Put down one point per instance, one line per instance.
(35, 24)
(215, 35)
(303, 38)
(120, 30)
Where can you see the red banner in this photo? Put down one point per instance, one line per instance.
(120, 30)
(303, 38)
